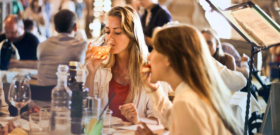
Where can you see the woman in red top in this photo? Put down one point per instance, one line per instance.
(121, 73)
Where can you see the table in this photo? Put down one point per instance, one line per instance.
(25, 125)
(238, 105)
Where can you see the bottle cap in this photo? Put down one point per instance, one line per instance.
(73, 63)
(63, 68)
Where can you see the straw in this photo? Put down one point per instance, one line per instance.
(107, 105)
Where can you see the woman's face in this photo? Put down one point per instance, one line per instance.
(36, 4)
(211, 41)
(115, 36)
(160, 66)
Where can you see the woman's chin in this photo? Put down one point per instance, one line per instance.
(153, 80)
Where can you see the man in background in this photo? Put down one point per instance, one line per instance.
(154, 16)
(25, 42)
(60, 49)
(30, 26)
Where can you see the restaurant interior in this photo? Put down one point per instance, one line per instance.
(139, 67)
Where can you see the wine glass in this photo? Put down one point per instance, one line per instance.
(100, 48)
(19, 93)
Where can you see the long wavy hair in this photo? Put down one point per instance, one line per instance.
(138, 51)
(190, 58)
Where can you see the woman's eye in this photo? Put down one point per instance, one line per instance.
(117, 33)
(107, 32)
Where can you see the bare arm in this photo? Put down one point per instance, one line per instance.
(23, 64)
(92, 66)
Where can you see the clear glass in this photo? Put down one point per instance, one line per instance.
(60, 105)
(19, 93)
(39, 122)
(34, 122)
(100, 48)
(45, 119)
(93, 125)
(107, 122)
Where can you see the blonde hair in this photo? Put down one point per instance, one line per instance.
(138, 51)
(189, 57)
(219, 54)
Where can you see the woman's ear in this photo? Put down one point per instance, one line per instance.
(167, 62)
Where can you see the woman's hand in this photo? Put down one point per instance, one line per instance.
(143, 131)
(145, 76)
(245, 58)
(129, 111)
(92, 63)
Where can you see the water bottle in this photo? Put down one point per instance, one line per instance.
(61, 104)
(6, 54)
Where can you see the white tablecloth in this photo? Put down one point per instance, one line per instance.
(7, 76)
(238, 104)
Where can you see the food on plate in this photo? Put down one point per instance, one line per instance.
(18, 131)
(8, 129)
(3, 130)
(34, 109)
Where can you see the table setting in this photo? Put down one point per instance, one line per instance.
(38, 119)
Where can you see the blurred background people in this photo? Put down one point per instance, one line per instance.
(80, 10)
(67, 4)
(48, 7)
(216, 50)
(25, 42)
(36, 13)
(153, 17)
(30, 26)
(50, 52)
(242, 64)
(18, 8)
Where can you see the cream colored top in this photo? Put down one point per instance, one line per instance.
(188, 115)
(141, 101)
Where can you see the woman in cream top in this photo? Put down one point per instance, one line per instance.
(200, 107)
(122, 69)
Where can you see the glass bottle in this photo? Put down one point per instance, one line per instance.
(61, 104)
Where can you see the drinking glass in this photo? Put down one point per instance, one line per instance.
(100, 47)
(107, 122)
(93, 124)
(39, 122)
(34, 122)
(19, 93)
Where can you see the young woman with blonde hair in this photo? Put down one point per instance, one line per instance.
(201, 104)
(121, 72)
(215, 48)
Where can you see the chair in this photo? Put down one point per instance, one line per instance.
(41, 93)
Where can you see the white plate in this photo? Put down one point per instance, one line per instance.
(6, 119)
(114, 121)
(24, 123)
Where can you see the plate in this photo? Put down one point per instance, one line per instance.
(25, 115)
(6, 119)
(114, 121)
(24, 123)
